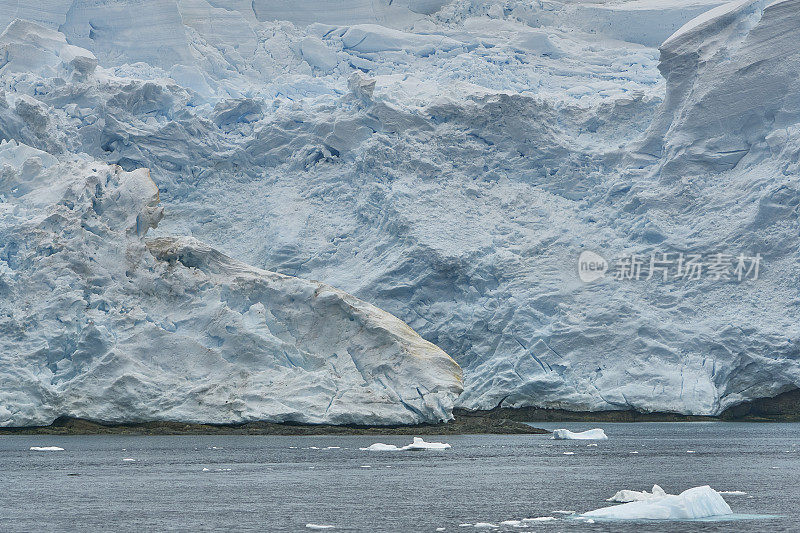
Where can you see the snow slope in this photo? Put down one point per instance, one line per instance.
(101, 324)
(450, 164)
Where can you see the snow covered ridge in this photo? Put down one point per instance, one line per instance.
(732, 87)
(100, 324)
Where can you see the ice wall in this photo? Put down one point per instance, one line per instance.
(101, 324)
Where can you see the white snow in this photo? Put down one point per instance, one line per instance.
(695, 503)
(446, 161)
(46, 449)
(592, 434)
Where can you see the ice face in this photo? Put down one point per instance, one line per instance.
(451, 168)
(102, 324)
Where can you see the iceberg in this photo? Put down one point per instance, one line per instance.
(592, 434)
(691, 504)
(626, 496)
(417, 445)
(420, 444)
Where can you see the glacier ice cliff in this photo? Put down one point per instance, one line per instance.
(449, 162)
(99, 323)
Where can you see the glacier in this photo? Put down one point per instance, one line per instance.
(447, 162)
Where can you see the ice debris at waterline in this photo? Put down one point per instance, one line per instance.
(695, 503)
(447, 161)
(46, 449)
(418, 445)
(592, 434)
(100, 323)
(626, 496)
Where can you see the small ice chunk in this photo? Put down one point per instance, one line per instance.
(420, 444)
(627, 496)
(695, 503)
(592, 444)
(381, 447)
(206, 470)
(540, 519)
(46, 449)
(633, 452)
(569, 453)
(485, 525)
(366, 466)
(129, 460)
(732, 492)
(319, 526)
(592, 434)
(690, 451)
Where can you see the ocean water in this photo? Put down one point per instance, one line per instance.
(270, 483)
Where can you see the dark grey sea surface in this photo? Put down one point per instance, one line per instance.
(272, 483)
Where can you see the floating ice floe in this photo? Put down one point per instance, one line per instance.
(732, 492)
(627, 496)
(46, 449)
(129, 460)
(691, 504)
(417, 445)
(569, 453)
(319, 526)
(592, 434)
(420, 444)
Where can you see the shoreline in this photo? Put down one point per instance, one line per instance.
(499, 421)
